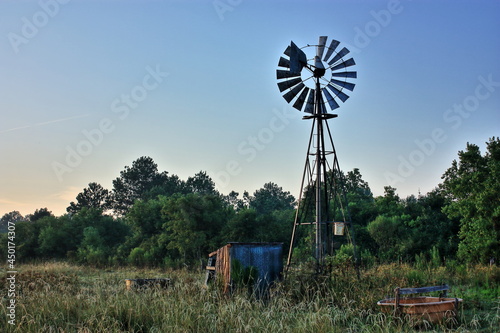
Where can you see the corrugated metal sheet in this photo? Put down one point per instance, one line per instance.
(262, 260)
(267, 258)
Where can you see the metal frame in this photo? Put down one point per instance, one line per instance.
(326, 188)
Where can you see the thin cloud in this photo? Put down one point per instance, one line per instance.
(44, 123)
(68, 194)
(10, 202)
(7, 205)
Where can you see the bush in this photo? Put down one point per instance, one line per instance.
(137, 257)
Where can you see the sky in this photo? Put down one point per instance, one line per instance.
(87, 87)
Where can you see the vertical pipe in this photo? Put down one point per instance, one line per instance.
(319, 134)
(326, 196)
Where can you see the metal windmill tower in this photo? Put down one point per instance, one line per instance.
(313, 85)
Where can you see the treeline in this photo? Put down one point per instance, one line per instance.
(156, 219)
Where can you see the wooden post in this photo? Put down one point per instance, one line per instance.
(396, 300)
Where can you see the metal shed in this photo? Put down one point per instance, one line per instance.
(256, 265)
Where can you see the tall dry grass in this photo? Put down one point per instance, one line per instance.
(59, 297)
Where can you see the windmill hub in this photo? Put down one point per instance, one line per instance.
(319, 68)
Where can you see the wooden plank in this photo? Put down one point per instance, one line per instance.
(406, 291)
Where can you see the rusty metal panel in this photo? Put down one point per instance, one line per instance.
(223, 266)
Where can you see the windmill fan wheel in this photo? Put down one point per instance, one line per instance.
(301, 78)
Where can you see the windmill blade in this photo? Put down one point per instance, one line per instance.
(289, 84)
(321, 46)
(338, 56)
(344, 84)
(310, 102)
(284, 62)
(319, 68)
(285, 74)
(301, 99)
(294, 92)
(287, 51)
(333, 45)
(298, 58)
(343, 97)
(346, 74)
(331, 101)
(344, 64)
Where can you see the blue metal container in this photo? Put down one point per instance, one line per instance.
(265, 258)
(255, 265)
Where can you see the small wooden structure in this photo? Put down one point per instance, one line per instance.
(139, 284)
(419, 308)
(256, 265)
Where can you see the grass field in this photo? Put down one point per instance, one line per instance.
(61, 297)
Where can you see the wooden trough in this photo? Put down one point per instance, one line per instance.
(139, 284)
(420, 308)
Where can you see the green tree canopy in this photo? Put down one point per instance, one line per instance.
(136, 182)
(201, 183)
(195, 223)
(270, 198)
(390, 234)
(93, 196)
(389, 204)
(39, 214)
(473, 186)
(13, 216)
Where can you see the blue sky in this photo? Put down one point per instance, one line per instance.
(87, 87)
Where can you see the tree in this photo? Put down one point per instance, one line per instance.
(147, 243)
(145, 217)
(93, 249)
(270, 198)
(113, 231)
(390, 234)
(276, 226)
(170, 186)
(472, 185)
(55, 239)
(201, 183)
(360, 199)
(27, 238)
(232, 200)
(13, 216)
(195, 224)
(362, 209)
(242, 227)
(431, 228)
(135, 183)
(93, 196)
(390, 203)
(356, 184)
(39, 214)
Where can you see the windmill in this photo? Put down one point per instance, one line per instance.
(315, 84)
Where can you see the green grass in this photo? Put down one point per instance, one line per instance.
(60, 297)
